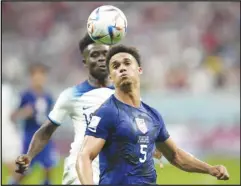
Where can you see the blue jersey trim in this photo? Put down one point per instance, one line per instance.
(84, 87)
(54, 122)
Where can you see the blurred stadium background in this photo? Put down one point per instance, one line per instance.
(191, 61)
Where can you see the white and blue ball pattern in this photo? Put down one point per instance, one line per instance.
(107, 25)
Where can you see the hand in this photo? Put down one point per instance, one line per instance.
(22, 113)
(220, 172)
(158, 155)
(22, 162)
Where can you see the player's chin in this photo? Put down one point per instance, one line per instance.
(125, 85)
(101, 74)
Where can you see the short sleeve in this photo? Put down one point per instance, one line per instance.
(101, 123)
(61, 108)
(163, 134)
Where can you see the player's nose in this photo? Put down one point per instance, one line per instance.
(101, 58)
(122, 69)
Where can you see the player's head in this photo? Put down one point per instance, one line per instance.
(124, 66)
(94, 57)
(38, 74)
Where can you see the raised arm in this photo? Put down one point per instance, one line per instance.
(90, 149)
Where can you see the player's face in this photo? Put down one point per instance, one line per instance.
(39, 77)
(124, 70)
(96, 60)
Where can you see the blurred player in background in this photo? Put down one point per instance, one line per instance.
(34, 106)
(124, 131)
(11, 139)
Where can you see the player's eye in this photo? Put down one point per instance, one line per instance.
(127, 62)
(105, 53)
(95, 54)
(115, 66)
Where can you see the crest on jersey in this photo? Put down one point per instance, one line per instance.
(141, 125)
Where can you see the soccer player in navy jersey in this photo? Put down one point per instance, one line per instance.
(35, 104)
(78, 102)
(124, 132)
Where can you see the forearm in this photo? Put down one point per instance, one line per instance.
(41, 138)
(84, 169)
(189, 163)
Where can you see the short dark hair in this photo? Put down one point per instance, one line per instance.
(36, 65)
(84, 42)
(122, 48)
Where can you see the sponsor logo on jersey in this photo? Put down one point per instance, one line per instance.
(85, 108)
(143, 139)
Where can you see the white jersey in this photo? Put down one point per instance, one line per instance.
(78, 102)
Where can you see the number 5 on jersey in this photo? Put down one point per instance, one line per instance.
(143, 151)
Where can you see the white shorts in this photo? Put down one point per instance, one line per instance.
(11, 144)
(70, 176)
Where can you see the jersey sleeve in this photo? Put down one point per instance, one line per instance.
(61, 108)
(24, 100)
(101, 123)
(163, 134)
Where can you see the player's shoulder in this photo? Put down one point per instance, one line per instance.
(67, 92)
(108, 107)
(85, 88)
(27, 93)
(48, 94)
(155, 113)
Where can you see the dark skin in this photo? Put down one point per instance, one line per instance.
(125, 72)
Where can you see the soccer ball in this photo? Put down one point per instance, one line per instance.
(107, 25)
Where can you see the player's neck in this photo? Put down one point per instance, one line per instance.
(99, 83)
(132, 98)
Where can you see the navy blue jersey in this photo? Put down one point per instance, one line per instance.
(130, 135)
(41, 105)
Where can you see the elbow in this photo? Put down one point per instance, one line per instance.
(176, 158)
(179, 161)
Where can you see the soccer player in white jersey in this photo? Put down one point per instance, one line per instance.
(77, 102)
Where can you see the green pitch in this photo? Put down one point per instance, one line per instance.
(167, 175)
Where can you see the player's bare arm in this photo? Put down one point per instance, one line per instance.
(90, 149)
(188, 162)
(38, 142)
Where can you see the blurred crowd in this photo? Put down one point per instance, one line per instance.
(190, 46)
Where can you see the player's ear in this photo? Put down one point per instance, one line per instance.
(84, 62)
(140, 70)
